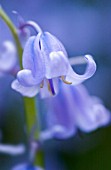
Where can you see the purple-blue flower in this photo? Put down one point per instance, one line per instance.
(73, 108)
(8, 58)
(44, 62)
(26, 166)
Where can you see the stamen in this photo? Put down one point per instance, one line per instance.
(42, 84)
(65, 81)
(51, 87)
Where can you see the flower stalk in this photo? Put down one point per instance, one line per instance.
(29, 103)
(13, 30)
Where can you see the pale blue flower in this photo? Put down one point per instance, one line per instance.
(26, 166)
(8, 58)
(73, 108)
(44, 60)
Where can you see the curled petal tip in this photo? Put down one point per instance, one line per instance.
(75, 78)
(92, 65)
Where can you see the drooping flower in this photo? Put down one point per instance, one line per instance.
(44, 61)
(73, 108)
(8, 58)
(26, 166)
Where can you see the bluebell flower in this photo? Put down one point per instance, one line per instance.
(45, 60)
(8, 58)
(73, 108)
(12, 149)
(26, 166)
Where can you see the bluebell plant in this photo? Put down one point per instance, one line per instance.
(44, 67)
(45, 60)
(72, 109)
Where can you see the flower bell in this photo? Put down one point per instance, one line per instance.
(44, 62)
(73, 108)
(8, 58)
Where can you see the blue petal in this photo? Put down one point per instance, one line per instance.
(74, 108)
(50, 43)
(91, 113)
(57, 131)
(55, 56)
(75, 78)
(28, 54)
(25, 91)
(93, 117)
(39, 61)
(60, 117)
(32, 58)
(26, 78)
(56, 65)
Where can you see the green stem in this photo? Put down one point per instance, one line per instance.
(31, 120)
(13, 29)
(29, 103)
(31, 114)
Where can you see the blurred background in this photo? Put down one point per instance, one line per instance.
(84, 27)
